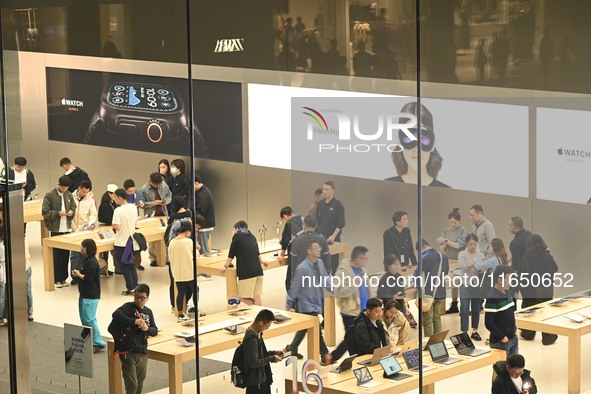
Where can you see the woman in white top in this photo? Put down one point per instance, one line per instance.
(180, 255)
(470, 290)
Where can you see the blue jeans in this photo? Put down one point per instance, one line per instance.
(511, 346)
(29, 292)
(469, 307)
(129, 270)
(87, 310)
(204, 241)
(76, 260)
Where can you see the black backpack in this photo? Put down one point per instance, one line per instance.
(350, 341)
(238, 373)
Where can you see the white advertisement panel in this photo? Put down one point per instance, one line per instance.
(473, 146)
(563, 155)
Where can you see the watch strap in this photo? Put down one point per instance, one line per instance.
(94, 123)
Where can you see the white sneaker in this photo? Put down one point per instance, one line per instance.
(58, 285)
(65, 284)
(3, 322)
(182, 318)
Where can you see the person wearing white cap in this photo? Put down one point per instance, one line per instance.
(105, 216)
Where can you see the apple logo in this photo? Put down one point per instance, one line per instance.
(560, 151)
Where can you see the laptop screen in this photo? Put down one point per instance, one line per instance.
(390, 365)
(411, 358)
(438, 351)
(462, 342)
(363, 375)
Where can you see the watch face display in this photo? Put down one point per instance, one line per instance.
(142, 97)
(145, 113)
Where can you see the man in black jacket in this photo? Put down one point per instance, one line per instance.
(204, 207)
(330, 214)
(512, 377)
(132, 323)
(21, 174)
(256, 356)
(368, 328)
(398, 241)
(518, 243)
(76, 174)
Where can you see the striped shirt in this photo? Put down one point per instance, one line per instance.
(499, 315)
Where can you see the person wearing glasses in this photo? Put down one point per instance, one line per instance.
(257, 358)
(132, 323)
(406, 162)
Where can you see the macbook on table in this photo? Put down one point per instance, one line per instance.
(465, 346)
(411, 358)
(378, 354)
(440, 355)
(364, 378)
(439, 337)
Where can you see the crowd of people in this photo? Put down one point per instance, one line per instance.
(372, 318)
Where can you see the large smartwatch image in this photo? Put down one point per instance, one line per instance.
(146, 113)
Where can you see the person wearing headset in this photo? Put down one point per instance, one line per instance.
(406, 161)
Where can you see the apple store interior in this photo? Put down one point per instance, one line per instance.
(231, 121)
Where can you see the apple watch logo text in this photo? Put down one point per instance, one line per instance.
(72, 105)
(574, 156)
(229, 45)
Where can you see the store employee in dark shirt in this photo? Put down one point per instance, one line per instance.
(398, 241)
(245, 248)
(330, 214)
(519, 242)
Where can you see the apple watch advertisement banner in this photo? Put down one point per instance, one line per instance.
(144, 113)
(563, 155)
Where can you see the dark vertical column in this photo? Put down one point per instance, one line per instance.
(16, 290)
(83, 28)
(438, 41)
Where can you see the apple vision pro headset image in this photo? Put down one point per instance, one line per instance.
(149, 113)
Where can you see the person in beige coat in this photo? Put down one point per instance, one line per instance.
(395, 324)
(180, 255)
(349, 293)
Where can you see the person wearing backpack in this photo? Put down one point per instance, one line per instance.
(256, 361)
(132, 323)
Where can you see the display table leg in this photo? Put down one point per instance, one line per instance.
(175, 376)
(115, 386)
(329, 321)
(429, 389)
(231, 285)
(313, 336)
(161, 253)
(44, 231)
(48, 274)
(574, 364)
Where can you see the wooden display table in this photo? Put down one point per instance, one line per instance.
(150, 227)
(551, 319)
(213, 266)
(346, 383)
(164, 347)
(32, 213)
